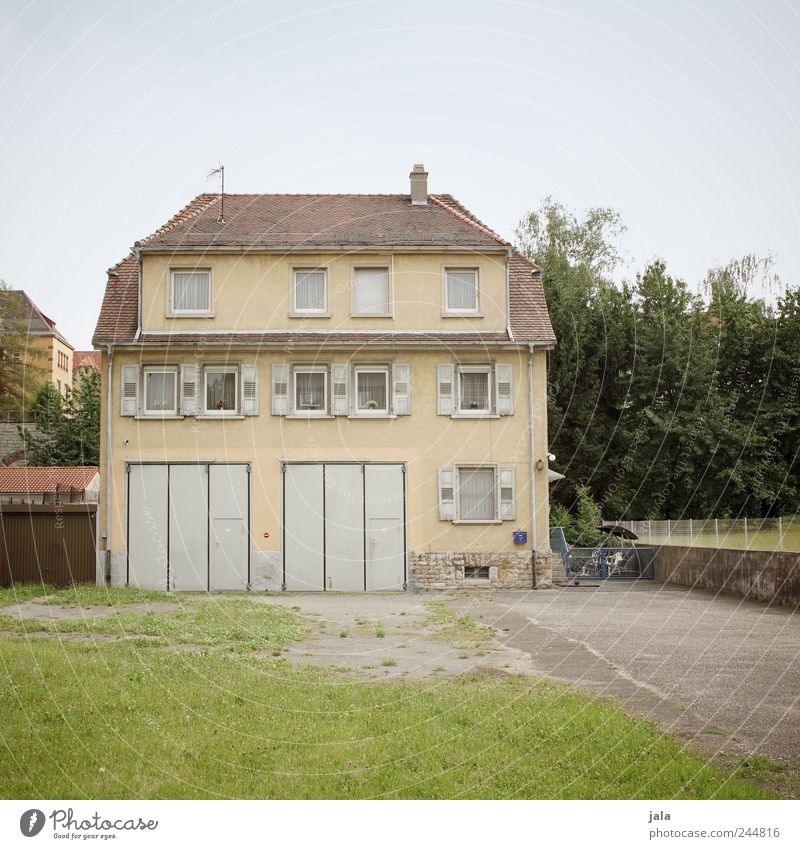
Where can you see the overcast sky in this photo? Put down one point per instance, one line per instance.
(682, 115)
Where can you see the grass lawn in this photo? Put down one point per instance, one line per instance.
(154, 716)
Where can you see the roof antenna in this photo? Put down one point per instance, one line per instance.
(220, 169)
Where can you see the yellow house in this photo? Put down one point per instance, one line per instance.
(48, 355)
(324, 392)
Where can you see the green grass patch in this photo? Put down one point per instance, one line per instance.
(23, 592)
(230, 624)
(85, 595)
(462, 631)
(101, 721)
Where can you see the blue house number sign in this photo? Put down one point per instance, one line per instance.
(520, 537)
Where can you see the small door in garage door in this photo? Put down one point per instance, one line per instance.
(147, 527)
(304, 528)
(228, 512)
(385, 525)
(344, 527)
(188, 527)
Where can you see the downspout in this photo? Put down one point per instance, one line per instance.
(109, 452)
(532, 430)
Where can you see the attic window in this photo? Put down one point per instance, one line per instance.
(191, 292)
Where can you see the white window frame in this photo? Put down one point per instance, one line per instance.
(173, 310)
(220, 414)
(389, 292)
(295, 311)
(159, 414)
(460, 413)
(447, 311)
(457, 470)
(310, 369)
(362, 369)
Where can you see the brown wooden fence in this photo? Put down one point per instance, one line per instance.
(47, 542)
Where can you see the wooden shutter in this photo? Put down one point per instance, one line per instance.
(250, 391)
(340, 405)
(190, 389)
(508, 495)
(129, 391)
(401, 389)
(504, 389)
(280, 389)
(446, 495)
(445, 377)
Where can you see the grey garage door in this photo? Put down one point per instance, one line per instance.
(188, 526)
(344, 526)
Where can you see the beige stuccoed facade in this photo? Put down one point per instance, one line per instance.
(252, 328)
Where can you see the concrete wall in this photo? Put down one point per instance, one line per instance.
(765, 575)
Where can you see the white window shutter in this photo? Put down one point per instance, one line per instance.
(340, 405)
(190, 390)
(508, 494)
(129, 391)
(280, 389)
(250, 391)
(445, 391)
(504, 389)
(401, 389)
(447, 510)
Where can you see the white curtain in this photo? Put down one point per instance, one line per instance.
(160, 391)
(309, 390)
(461, 290)
(372, 391)
(309, 290)
(191, 290)
(474, 391)
(372, 291)
(476, 494)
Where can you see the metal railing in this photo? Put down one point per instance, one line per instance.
(777, 534)
(602, 562)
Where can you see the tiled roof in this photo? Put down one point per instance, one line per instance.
(530, 321)
(46, 478)
(85, 359)
(291, 221)
(119, 313)
(38, 323)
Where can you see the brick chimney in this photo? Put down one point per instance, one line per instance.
(419, 185)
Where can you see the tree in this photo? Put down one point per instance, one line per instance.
(70, 429)
(19, 374)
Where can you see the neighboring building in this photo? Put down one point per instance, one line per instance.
(49, 485)
(84, 362)
(325, 392)
(54, 360)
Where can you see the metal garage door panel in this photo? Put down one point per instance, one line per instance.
(344, 527)
(230, 539)
(147, 527)
(303, 550)
(385, 526)
(188, 527)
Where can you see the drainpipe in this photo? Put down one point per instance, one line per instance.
(508, 296)
(533, 463)
(109, 452)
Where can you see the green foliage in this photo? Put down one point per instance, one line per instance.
(580, 526)
(664, 403)
(19, 372)
(70, 430)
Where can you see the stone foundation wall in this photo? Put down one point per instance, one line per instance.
(444, 570)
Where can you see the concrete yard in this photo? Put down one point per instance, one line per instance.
(722, 671)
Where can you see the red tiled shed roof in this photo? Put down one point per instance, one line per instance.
(85, 359)
(46, 478)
